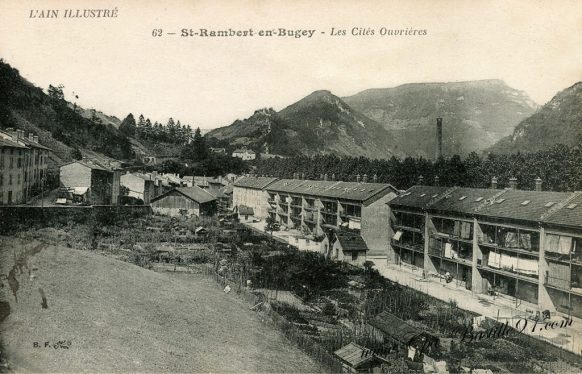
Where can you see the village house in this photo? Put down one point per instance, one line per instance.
(140, 186)
(185, 201)
(522, 245)
(23, 166)
(349, 247)
(245, 154)
(91, 182)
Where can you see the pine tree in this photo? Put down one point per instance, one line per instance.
(128, 125)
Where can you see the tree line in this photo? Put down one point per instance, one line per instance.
(172, 132)
(559, 167)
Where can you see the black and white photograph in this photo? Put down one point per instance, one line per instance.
(255, 186)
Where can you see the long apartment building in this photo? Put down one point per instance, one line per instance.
(522, 244)
(322, 207)
(23, 165)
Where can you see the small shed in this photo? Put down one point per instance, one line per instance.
(358, 359)
(245, 214)
(387, 325)
(349, 247)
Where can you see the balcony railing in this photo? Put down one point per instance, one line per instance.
(412, 247)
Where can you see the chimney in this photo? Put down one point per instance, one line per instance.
(333, 177)
(302, 175)
(420, 180)
(513, 183)
(20, 134)
(538, 181)
(320, 177)
(325, 176)
(365, 178)
(30, 136)
(358, 178)
(436, 180)
(439, 138)
(36, 138)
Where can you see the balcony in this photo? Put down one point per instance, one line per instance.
(410, 246)
(509, 273)
(310, 208)
(510, 249)
(295, 217)
(407, 228)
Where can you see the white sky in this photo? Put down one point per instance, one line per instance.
(115, 65)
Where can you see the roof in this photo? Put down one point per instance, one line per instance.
(194, 193)
(569, 213)
(418, 196)
(546, 206)
(246, 210)
(354, 354)
(254, 182)
(522, 205)
(33, 144)
(243, 151)
(332, 189)
(91, 164)
(351, 242)
(393, 326)
(10, 143)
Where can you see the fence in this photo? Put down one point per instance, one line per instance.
(270, 317)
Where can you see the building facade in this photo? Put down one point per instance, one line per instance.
(93, 182)
(245, 154)
(23, 166)
(523, 245)
(250, 191)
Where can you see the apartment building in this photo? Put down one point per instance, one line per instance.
(318, 209)
(519, 244)
(23, 165)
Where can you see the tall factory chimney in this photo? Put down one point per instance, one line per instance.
(439, 139)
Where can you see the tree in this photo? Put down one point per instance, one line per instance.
(56, 92)
(128, 125)
(270, 227)
(76, 154)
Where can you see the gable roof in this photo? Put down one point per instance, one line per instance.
(512, 204)
(245, 210)
(10, 143)
(332, 189)
(254, 182)
(194, 193)
(394, 327)
(418, 196)
(351, 242)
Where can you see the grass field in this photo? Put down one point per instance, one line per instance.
(120, 317)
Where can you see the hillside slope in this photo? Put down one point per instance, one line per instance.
(27, 107)
(476, 114)
(123, 318)
(557, 122)
(317, 124)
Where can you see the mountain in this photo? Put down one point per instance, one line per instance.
(317, 124)
(476, 114)
(58, 125)
(557, 122)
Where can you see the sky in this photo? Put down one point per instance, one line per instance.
(115, 64)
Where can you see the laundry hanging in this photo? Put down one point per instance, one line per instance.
(565, 245)
(525, 241)
(511, 240)
(448, 250)
(457, 229)
(552, 243)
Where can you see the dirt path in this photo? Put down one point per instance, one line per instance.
(119, 318)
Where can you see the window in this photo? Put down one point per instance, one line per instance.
(354, 256)
(10, 180)
(462, 198)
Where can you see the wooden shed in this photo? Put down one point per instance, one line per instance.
(185, 201)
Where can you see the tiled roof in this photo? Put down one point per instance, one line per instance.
(393, 326)
(569, 214)
(522, 205)
(254, 182)
(419, 196)
(196, 193)
(351, 242)
(463, 200)
(331, 189)
(33, 144)
(509, 204)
